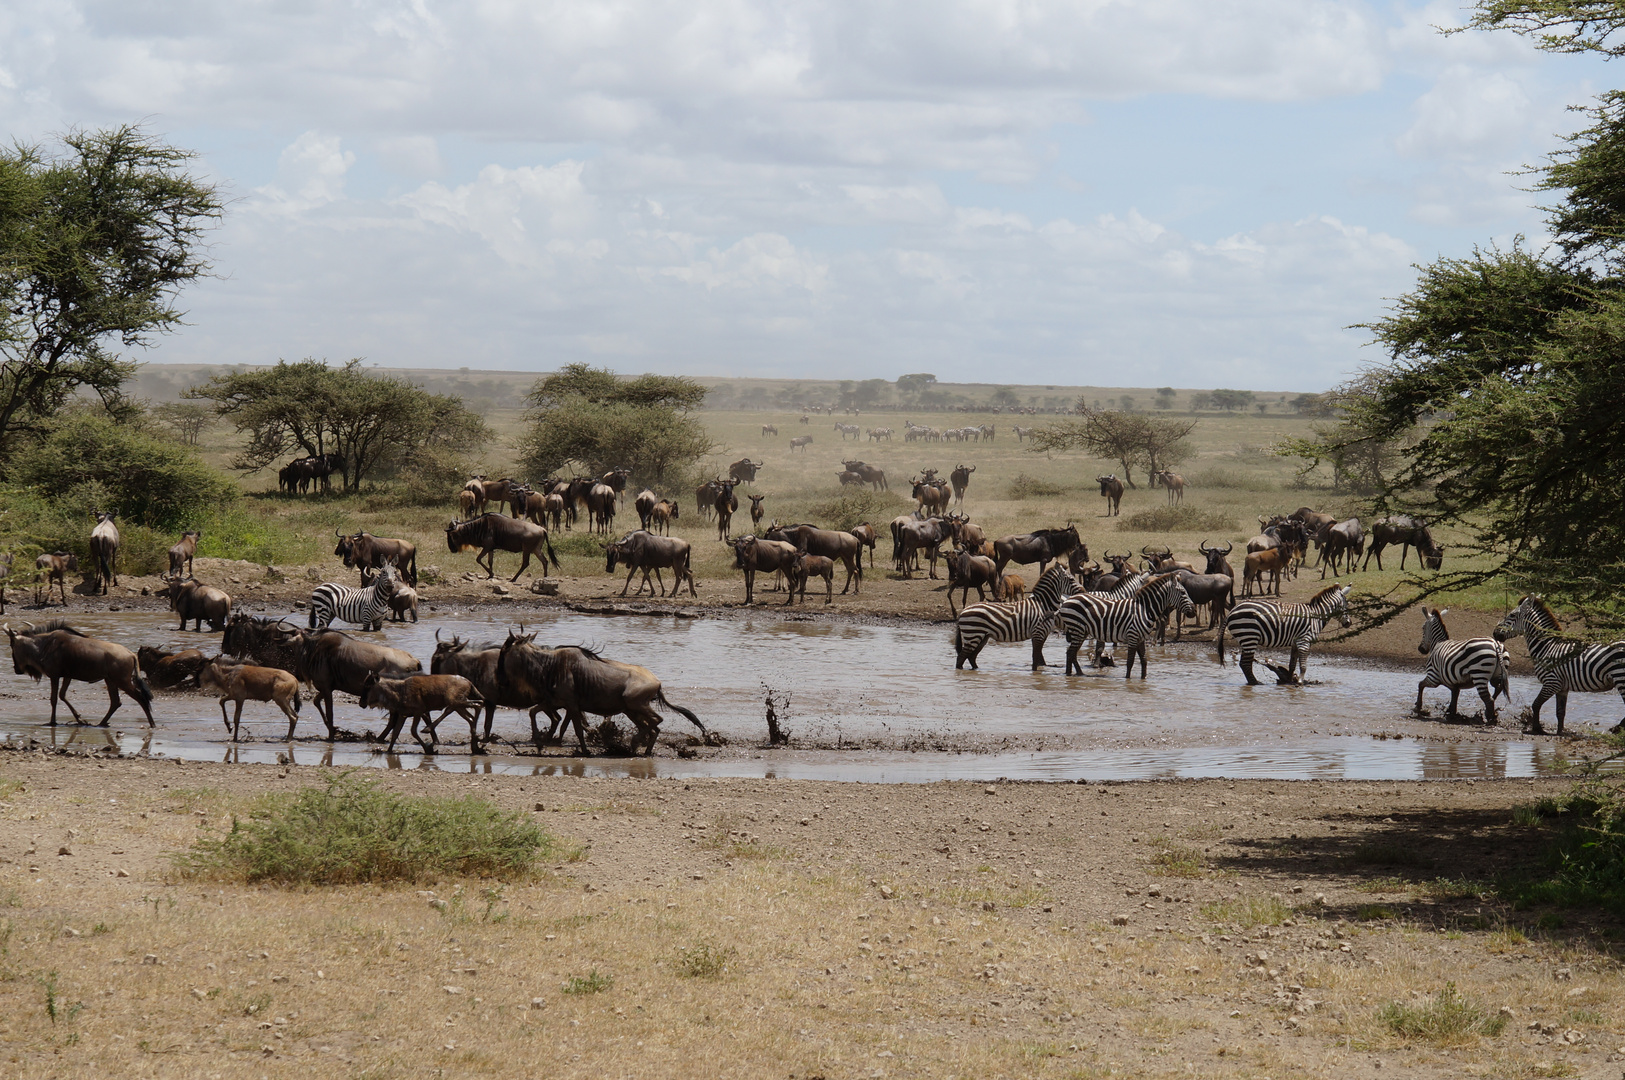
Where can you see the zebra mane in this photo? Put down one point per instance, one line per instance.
(1324, 594)
(1540, 605)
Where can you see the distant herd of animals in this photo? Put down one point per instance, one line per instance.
(1120, 604)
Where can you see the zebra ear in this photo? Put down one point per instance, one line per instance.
(1443, 612)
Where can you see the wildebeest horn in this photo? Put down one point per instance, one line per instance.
(437, 634)
(1202, 547)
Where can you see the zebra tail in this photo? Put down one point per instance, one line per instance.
(1224, 621)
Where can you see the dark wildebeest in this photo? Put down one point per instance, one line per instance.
(848, 478)
(864, 531)
(616, 479)
(727, 502)
(1111, 489)
(368, 553)
(477, 664)
(1218, 562)
(267, 642)
(960, 478)
(967, 572)
(250, 682)
(644, 504)
(56, 651)
(579, 681)
(492, 532)
(1216, 591)
(800, 442)
(195, 602)
(600, 507)
(1407, 532)
(932, 495)
(1041, 547)
(804, 567)
(872, 475)
(104, 550)
(705, 498)
(744, 470)
(756, 511)
(1312, 520)
(476, 488)
(830, 543)
(417, 696)
(1173, 482)
(768, 556)
(643, 550)
(331, 660)
(167, 670)
(769, 429)
(914, 536)
(181, 553)
(1340, 543)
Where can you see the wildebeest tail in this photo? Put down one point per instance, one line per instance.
(144, 692)
(552, 557)
(661, 697)
(297, 700)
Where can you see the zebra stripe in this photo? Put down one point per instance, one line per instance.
(1029, 619)
(364, 607)
(1107, 617)
(1481, 663)
(1258, 624)
(1563, 666)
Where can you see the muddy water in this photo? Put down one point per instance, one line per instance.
(878, 703)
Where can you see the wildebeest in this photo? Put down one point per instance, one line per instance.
(56, 651)
(499, 492)
(476, 488)
(705, 498)
(104, 550)
(195, 602)
(769, 429)
(600, 507)
(1010, 587)
(644, 504)
(830, 543)
(166, 670)
(403, 602)
(1272, 562)
(804, 567)
(368, 553)
(250, 682)
(864, 531)
(752, 554)
(932, 495)
(1214, 591)
(181, 553)
(869, 474)
(1111, 489)
(800, 442)
(643, 550)
(331, 661)
(756, 511)
(296, 475)
(1343, 542)
(1173, 482)
(665, 512)
(1312, 520)
(578, 681)
(492, 532)
(267, 642)
(967, 572)
(848, 478)
(1218, 562)
(477, 664)
(1041, 547)
(744, 470)
(417, 696)
(913, 535)
(727, 502)
(960, 478)
(1407, 532)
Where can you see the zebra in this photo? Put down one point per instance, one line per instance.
(1127, 588)
(1129, 622)
(1257, 624)
(1562, 666)
(1477, 662)
(367, 608)
(1031, 619)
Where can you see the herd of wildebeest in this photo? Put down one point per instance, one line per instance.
(1124, 599)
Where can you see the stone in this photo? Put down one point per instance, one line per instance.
(1119, 920)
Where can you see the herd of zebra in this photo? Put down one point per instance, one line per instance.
(1131, 614)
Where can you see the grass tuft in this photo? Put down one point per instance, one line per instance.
(355, 831)
(1175, 860)
(705, 960)
(1176, 519)
(1248, 911)
(593, 982)
(1031, 487)
(1446, 1020)
(1373, 912)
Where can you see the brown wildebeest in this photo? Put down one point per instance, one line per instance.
(1312, 520)
(490, 532)
(961, 480)
(417, 696)
(756, 511)
(801, 442)
(804, 418)
(1012, 586)
(166, 670)
(182, 553)
(477, 664)
(600, 507)
(705, 498)
(195, 602)
(1407, 532)
(1042, 546)
(727, 502)
(864, 531)
(104, 549)
(643, 550)
(967, 572)
(369, 553)
(579, 681)
(744, 470)
(663, 514)
(829, 543)
(1111, 489)
(1174, 483)
(932, 496)
(553, 507)
(769, 429)
(498, 491)
(1272, 561)
(848, 478)
(331, 660)
(804, 567)
(467, 502)
(250, 682)
(752, 554)
(56, 651)
(869, 474)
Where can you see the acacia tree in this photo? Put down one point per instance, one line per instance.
(96, 240)
(376, 423)
(1130, 439)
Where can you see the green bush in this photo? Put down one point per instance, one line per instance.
(1585, 860)
(1177, 519)
(705, 960)
(854, 507)
(1030, 487)
(354, 831)
(1447, 1019)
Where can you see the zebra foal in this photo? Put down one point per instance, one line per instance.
(1260, 624)
(367, 607)
(1563, 666)
(1481, 663)
(1128, 622)
(1031, 619)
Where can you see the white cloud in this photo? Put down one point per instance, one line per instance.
(310, 174)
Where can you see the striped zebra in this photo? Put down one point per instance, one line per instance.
(1029, 619)
(1258, 624)
(1481, 663)
(1126, 621)
(366, 607)
(1562, 666)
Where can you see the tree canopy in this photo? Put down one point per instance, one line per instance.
(97, 237)
(376, 423)
(596, 420)
(1133, 440)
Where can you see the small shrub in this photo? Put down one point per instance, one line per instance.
(1235, 479)
(1030, 487)
(1175, 860)
(855, 507)
(1448, 1019)
(355, 831)
(1177, 519)
(1248, 911)
(705, 960)
(593, 982)
(1373, 912)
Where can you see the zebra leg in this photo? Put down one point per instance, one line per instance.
(1038, 651)
(1427, 681)
(1247, 666)
(1534, 709)
(1562, 707)
(1489, 702)
(1455, 699)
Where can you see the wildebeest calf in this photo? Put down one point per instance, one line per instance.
(419, 695)
(403, 602)
(57, 565)
(806, 566)
(249, 682)
(167, 670)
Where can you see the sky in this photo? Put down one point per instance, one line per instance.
(1186, 192)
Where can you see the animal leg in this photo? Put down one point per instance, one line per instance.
(629, 575)
(113, 703)
(1247, 667)
(1455, 699)
(66, 682)
(487, 559)
(1420, 687)
(237, 721)
(1489, 704)
(1072, 665)
(1534, 710)
(1562, 707)
(293, 717)
(1038, 652)
(224, 719)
